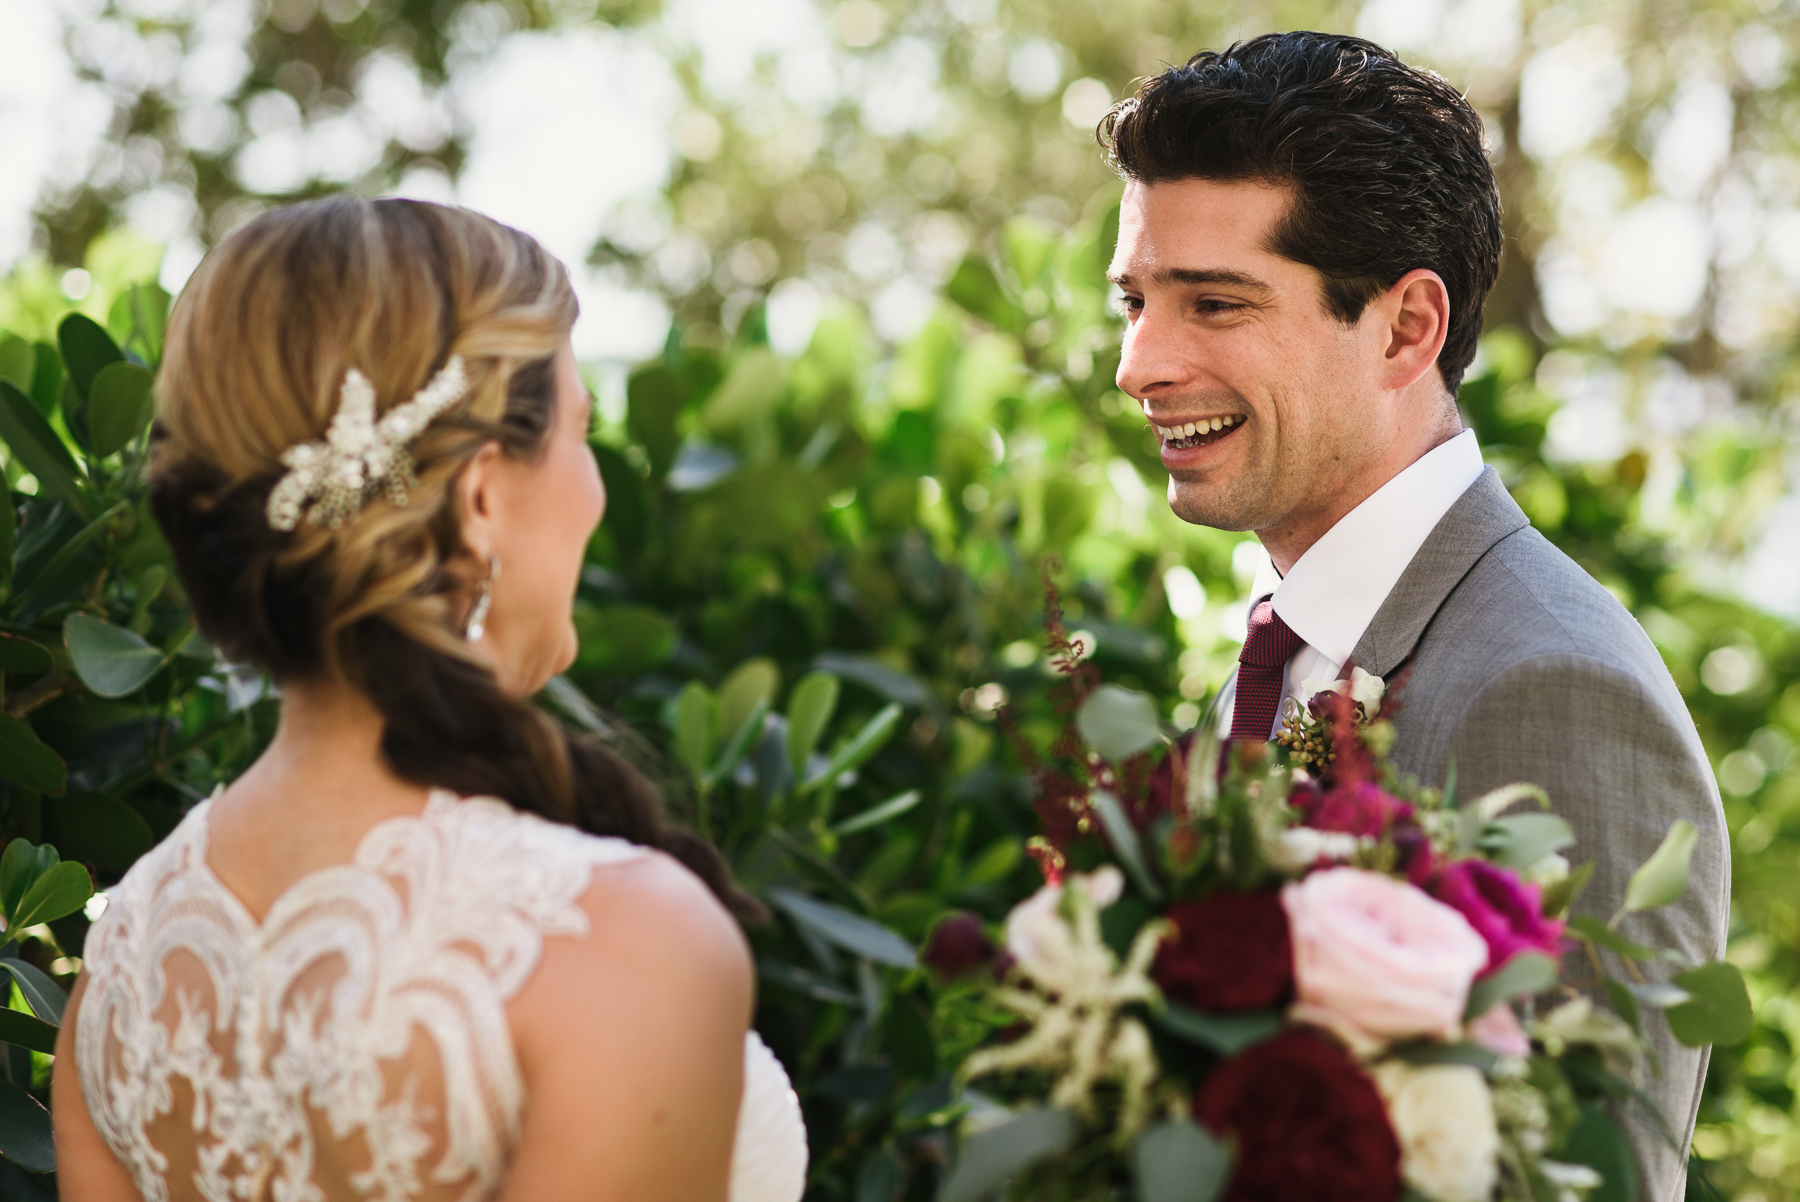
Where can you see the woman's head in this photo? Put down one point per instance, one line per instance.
(258, 351)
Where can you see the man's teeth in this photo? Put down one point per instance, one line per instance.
(1190, 429)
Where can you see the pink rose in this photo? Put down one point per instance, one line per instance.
(1508, 913)
(1376, 959)
(1356, 809)
(1498, 1031)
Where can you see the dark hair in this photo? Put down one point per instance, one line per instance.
(394, 288)
(1386, 162)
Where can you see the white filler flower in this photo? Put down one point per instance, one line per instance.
(1443, 1116)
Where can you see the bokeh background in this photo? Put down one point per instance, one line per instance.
(840, 271)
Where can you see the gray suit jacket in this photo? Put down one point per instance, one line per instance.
(1514, 661)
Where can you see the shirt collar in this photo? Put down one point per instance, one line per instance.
(1332, 592)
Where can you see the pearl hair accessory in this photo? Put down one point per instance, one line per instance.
(358, 453)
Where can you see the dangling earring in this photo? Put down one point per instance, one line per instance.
(484, 598)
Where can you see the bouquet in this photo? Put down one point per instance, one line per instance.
(1284, 971)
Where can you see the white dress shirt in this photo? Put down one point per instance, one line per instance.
(1330, 595)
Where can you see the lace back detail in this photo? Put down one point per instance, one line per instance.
(355, 1044)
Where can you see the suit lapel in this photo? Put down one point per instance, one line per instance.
(1480, 518)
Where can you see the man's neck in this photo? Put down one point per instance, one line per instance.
(1291, 539)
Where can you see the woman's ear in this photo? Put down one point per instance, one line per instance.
(478, 493)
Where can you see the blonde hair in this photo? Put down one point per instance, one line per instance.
(255, 356)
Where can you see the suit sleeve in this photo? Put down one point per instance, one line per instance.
(1622, 768)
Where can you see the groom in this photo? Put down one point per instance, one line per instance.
(1309, 230)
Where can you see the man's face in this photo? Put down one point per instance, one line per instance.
(1228, 337)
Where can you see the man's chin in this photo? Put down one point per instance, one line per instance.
(1201, 506)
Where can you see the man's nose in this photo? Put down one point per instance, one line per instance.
(1151, 359)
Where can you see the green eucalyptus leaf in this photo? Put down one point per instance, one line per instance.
(1226, 1034)
(1525, 974)
(1663, 878)
(1560, 896)
(31, 440)
(1178, 1161)
(26, 761)
(1119, 722)
(111, 660)
(86, 348)
(45, 997)
(696, 727)
(1430, 1051)
(1625, 1005)
(23, 656)
(849, 931)
(25, 1137)
(1592, 929)
(1002, 1149)
(1718, 1009)
(1126, 843)
(810, 708)
(64, 889)
(119, 406)
(1520, 840)
(875, 815)
(1597, 1142)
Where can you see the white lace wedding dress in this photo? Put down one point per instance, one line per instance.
(355, 1044)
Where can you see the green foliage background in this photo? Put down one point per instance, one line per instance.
(881, 512)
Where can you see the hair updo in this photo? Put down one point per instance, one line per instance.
(254, 359)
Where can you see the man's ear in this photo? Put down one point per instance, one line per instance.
(1417, 310)
(477, 492)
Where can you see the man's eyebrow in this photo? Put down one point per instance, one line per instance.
(1199, 275)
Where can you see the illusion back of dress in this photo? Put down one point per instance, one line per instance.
(355, 1043)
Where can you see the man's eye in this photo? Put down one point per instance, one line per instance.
(1125, 305)
(1218, 306)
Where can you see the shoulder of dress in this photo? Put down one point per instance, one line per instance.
(492, 822)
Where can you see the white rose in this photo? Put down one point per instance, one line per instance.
(1367, 690)
(1443, 1116)
(1299, 848)
(1038, 935)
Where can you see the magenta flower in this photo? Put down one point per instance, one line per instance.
(1507, 912)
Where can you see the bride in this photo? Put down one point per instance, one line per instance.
(432, 945)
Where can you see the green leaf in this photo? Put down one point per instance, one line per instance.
(23, 656)
(849, 931)
(893, 807)
(740, 742)
(62, 890)
(45, 997)
(696, 727)
(1226, 1034)
(1592, 929)
(31, 440)
(18, 869)
(47, 378)
(25, 1131)
(752, 681)
(50, 573)
(119, 406)
(18, 361)
(24, 1031)
(1125, 843)
(9, 521)
(1119, 722)
(865, 743)
(976, 288)
(1427, 1051)
(805, 983)
(1719, 1011)
(810, 707)
(110, 660)
(878, 1178)
(1178, 1161)
(996, 1152)
(1662, 878)
(654, 398)
(138, 317)
(95, 829)
(1560, 896)
(1525, 974)
(1597, 1142)
(1625, 1005)
(908, 1042)
(1520, 840)
(25, 760)
(86, 348)
(755, 386)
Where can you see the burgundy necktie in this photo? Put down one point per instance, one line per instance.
(1262, 666)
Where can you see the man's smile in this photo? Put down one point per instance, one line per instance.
(1200, 432)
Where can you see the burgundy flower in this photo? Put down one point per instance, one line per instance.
(1230, 953)
(1308, 1124)
(1360, 808)
(959, 945)
(1506, 912)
